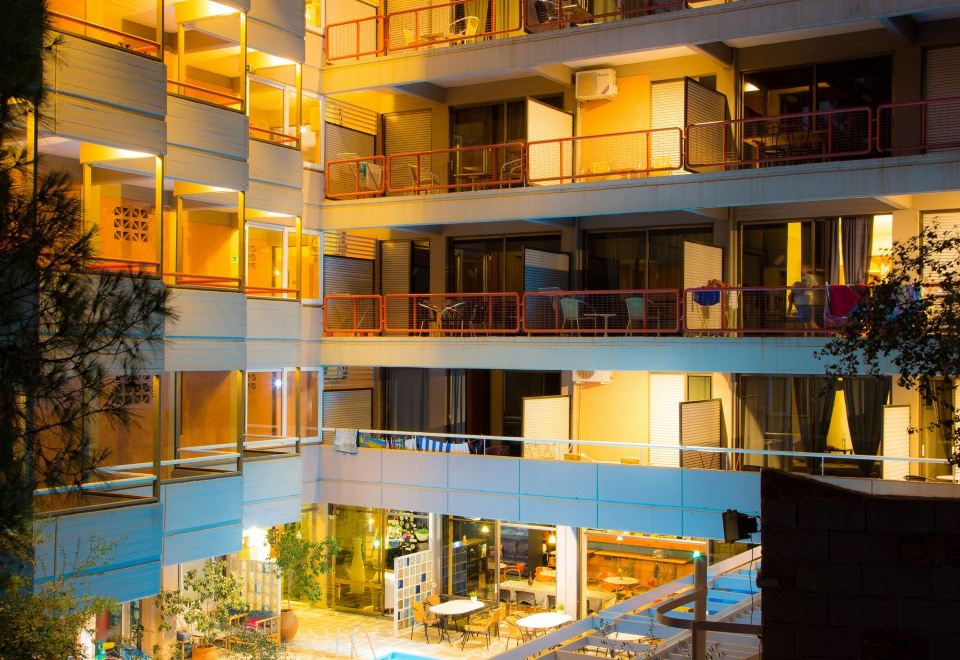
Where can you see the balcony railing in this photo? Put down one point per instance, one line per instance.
(454, 314)
(205, 95)
(791, 310)
(112, 265)
(652, 454)
(203, 281)
(626, 312)
(554, 15)
(609, 156)
(274, 137)
(352, 314)
(352, 178)
(109, 36)
(460, 168)
(918, 125)
(792, 138)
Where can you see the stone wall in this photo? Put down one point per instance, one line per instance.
(849, 574)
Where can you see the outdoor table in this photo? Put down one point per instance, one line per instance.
(454, 608)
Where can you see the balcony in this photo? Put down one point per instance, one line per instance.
(730, 311)
(368, 34)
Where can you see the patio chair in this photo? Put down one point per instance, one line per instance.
(514, 632)
(463, 29)
(422, 177)
(510, 172)
(422, 616)
(482, 626)
(638, 313)
(769, 145)
(570, 311)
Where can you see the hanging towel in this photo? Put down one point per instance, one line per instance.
(366, 440)
(373, 177)
(841, 301)
(345, 440)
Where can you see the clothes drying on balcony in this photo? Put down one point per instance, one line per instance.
(425, 443)
(842, 300)
(905, 297)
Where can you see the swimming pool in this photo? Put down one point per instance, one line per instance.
(400, 655)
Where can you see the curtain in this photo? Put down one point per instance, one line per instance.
(405, 399)
(865, 397)
(857, 244)
(832, 234)
(814, 397)
(456, 401)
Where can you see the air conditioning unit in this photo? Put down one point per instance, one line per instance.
(592, 376)
(596, 84)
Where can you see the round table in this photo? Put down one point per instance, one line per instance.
(621, 581)
(544, 620)
(457, 607)
(549, 572)
(626, 637)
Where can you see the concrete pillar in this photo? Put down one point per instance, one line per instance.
(568, 568)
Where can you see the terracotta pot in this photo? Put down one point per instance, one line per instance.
(289, 624)
(206, 653)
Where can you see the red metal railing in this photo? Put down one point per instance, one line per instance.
(108, 36)
(206, 95)
(762, 141)
(456, 169)
(915, 125)
(452, 313)
(440, 24)
(351, 178)
(131, 265)
(355, 314)
(556, 14)
(609, 156)
(274, 137)
(212, 281)
(785, 310)
(622, 312)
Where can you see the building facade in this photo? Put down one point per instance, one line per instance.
(533, 251)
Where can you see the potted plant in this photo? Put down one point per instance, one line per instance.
(207, 600)
(473, 595)
(301, 563)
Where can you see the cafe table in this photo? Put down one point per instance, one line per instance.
(542, 621)
(454, 608)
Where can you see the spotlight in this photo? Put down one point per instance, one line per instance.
(738, 526)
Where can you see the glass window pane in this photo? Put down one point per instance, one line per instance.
(264, 261)
(310, 404)
(310, 267)
(265, 404)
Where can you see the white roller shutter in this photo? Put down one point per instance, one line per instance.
(944, 222)
(667, 392)
(702, 263)
(404, 132)
(700, 423)
(347, 409)
(546, 418)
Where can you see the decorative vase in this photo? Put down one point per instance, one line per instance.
(206, 653)
(289, 624)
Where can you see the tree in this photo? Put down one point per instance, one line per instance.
(910, 318)
(301, 561)
(70, 335)
(209, 598)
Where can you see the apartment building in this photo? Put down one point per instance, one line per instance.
(533, 251)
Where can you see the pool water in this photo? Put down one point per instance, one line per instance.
(399, 655)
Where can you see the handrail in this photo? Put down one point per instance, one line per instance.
(944, 126)
(489, 174)
(441, 36)
(359, 179)
(333, 28)
(759, 310)
(602, 312)
(199, 88)
(204, 279)
(110, 264)
(269, 289)
(274, 136)
(656, 150)
(365, 319)
(451, 313)
(154, 45)
(96, 485)
(735, 451)
(818, 135)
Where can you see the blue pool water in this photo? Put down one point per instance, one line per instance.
(399, 655)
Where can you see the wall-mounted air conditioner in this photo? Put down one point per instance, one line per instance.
(592, 376)
(596, 84)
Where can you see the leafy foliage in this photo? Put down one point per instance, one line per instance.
(210, 596)
(918, 336)
(301, 561)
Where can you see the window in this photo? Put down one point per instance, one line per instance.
(640, 259)
(311, 130)
(208, 244)
(271, 261)
(274, 107)
(271, 408)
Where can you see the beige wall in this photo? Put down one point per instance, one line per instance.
(614, 412)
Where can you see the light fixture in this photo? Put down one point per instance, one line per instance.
(277, 383)
(552, 540)
(619, 537)
(750, 87)
(484, 530)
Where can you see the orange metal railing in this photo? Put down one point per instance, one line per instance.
(131, 265)
(609, 156)
(785, 310)
(792, 138)
(456, 169)
(271, 291)
(913, 125)
(103, 34)
(213, 281)
(361, 37)
(351, 178)
(553, 15)
(274, 137)
(206, 95)
(621, 312)
(460, 314)
(355, 314)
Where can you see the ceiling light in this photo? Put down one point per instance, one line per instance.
(750, 87)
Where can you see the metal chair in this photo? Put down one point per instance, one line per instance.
(422, 176)
(637, 312)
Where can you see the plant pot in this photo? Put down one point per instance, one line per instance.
(206, 653)
(473, 599)
(289, 624)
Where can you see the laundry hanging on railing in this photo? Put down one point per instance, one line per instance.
(425, 443)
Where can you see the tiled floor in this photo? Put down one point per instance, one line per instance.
(317, 638)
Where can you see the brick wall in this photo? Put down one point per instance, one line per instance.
(847, 574)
